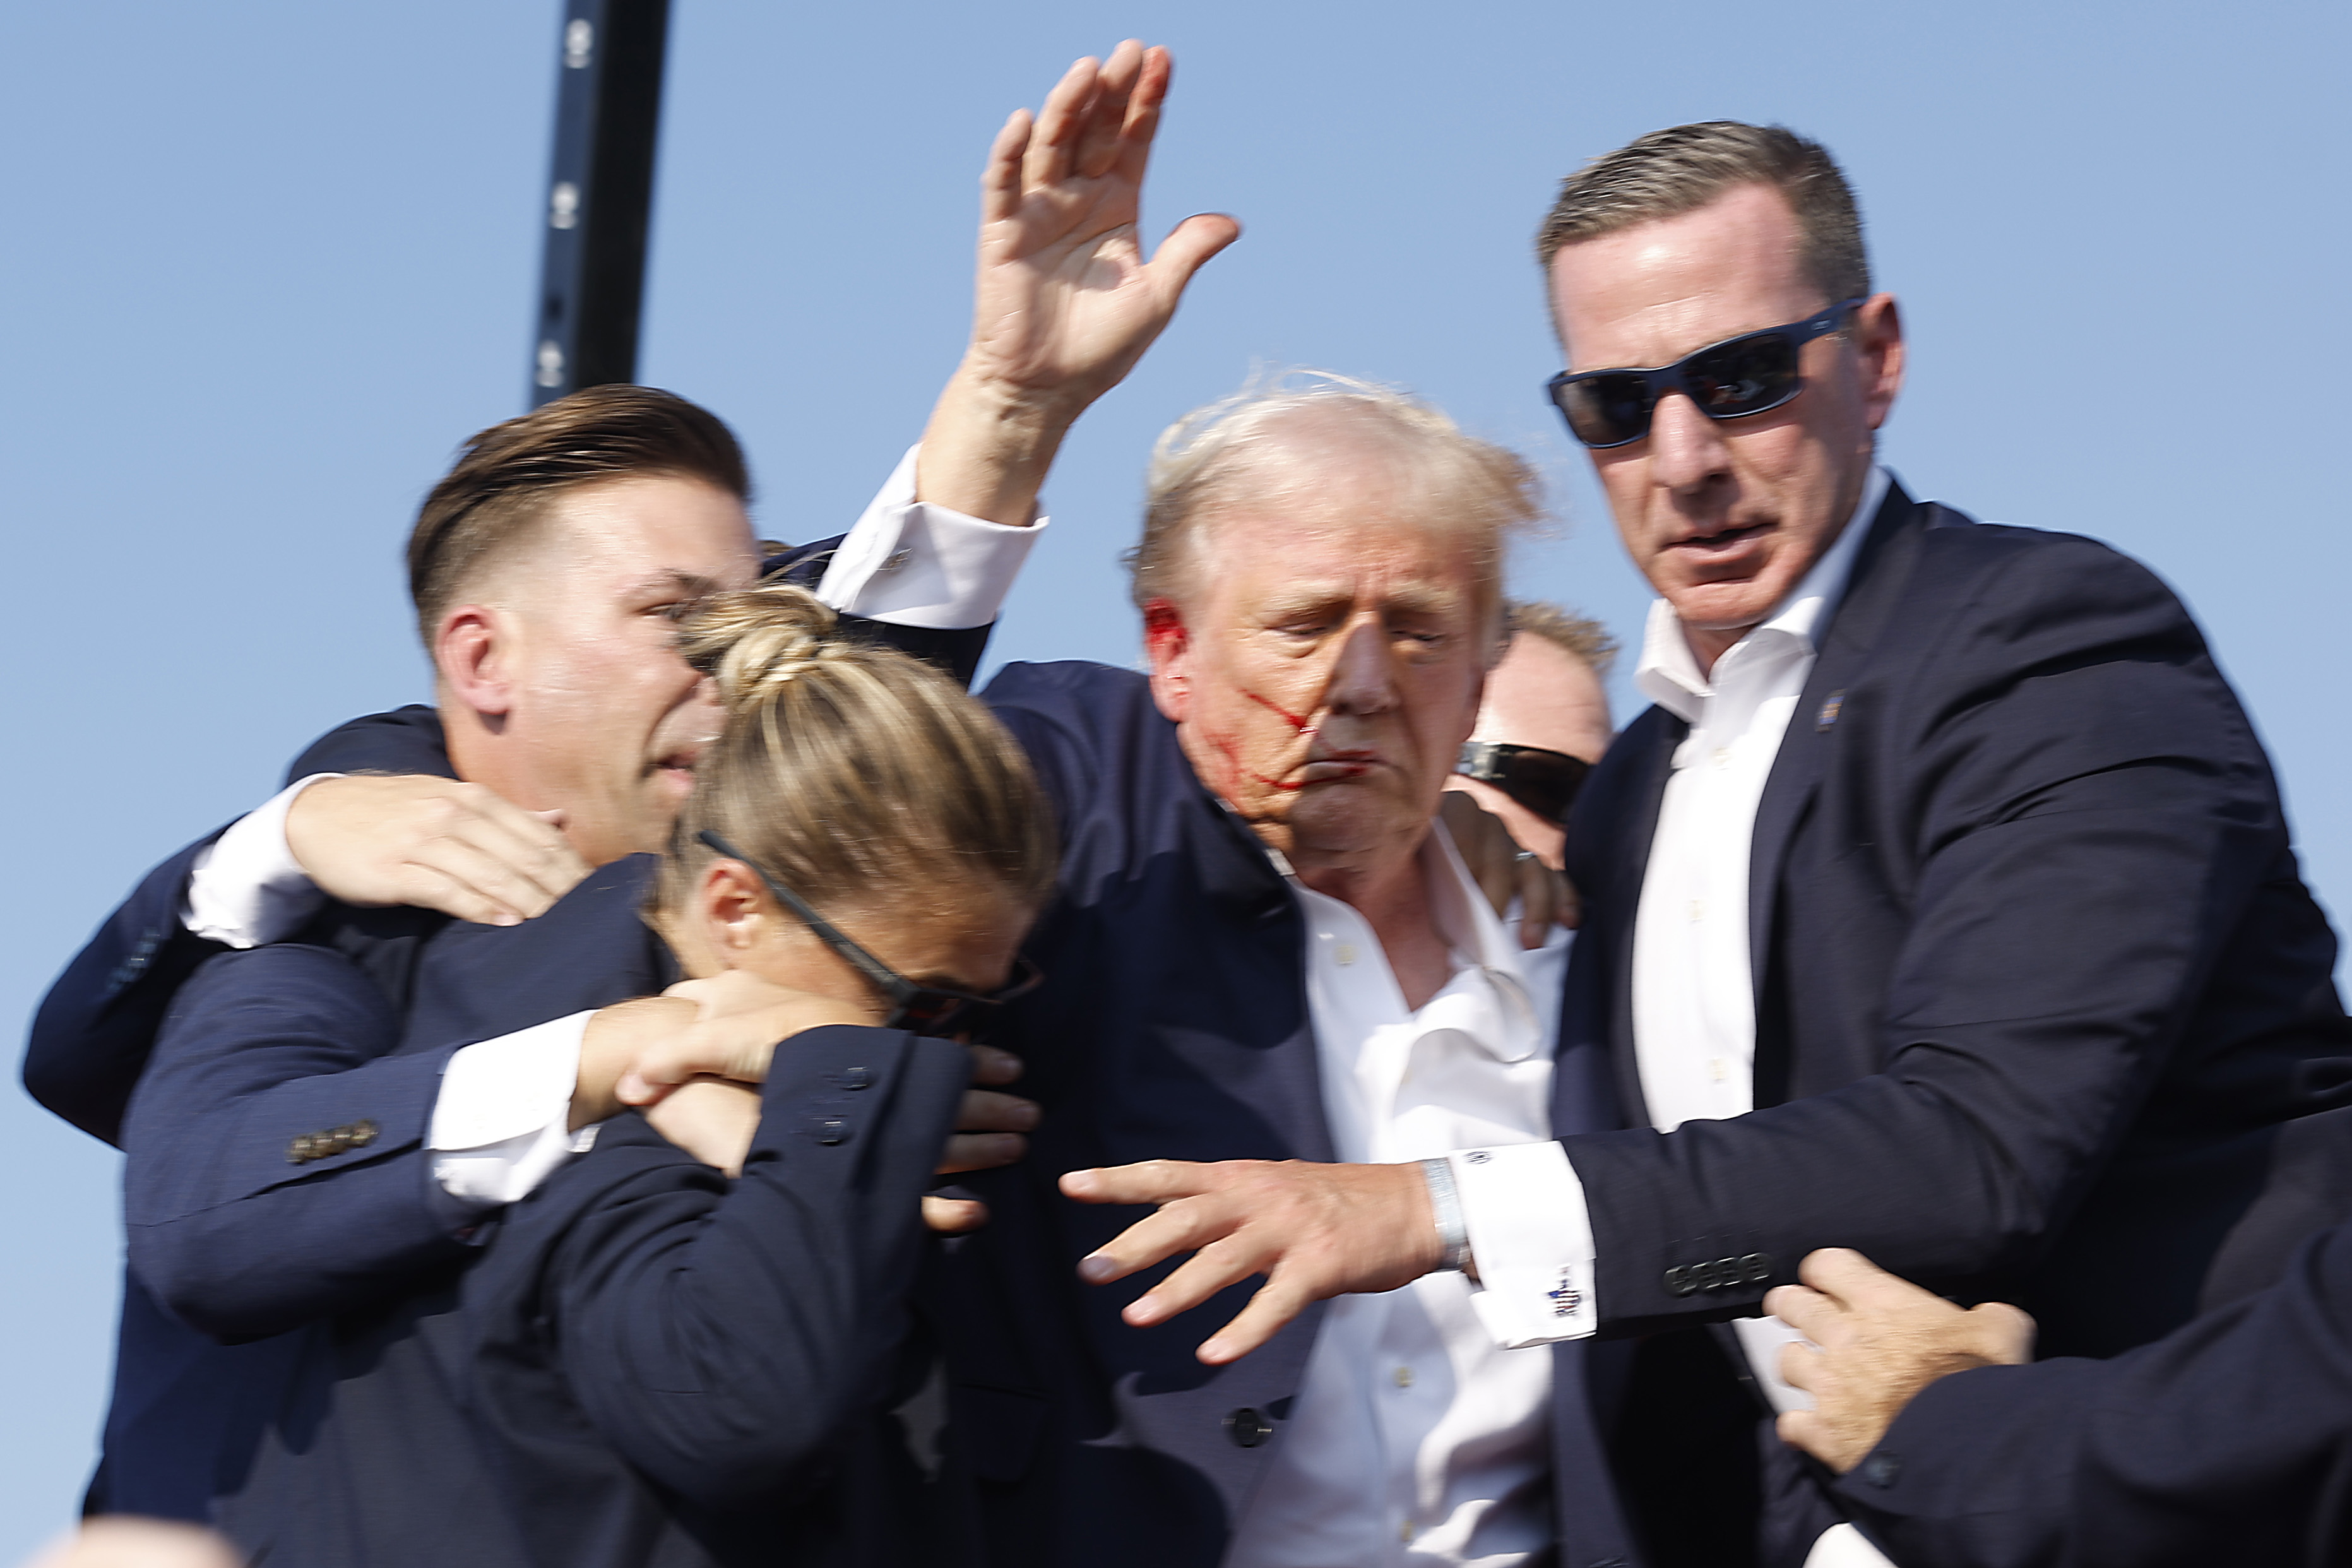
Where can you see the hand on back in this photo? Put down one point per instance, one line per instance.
(411, 839)
(1877, 1341)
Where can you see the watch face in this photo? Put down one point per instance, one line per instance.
(1544, 782)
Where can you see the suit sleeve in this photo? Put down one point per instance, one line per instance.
(93, 1030)
(92, 1035)
(2091, 820)
(2228, 1441)
(276, 1168)
(718, 1333)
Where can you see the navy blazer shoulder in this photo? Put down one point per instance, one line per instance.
(643, 1363)
(92, 1035)
(2036, 979)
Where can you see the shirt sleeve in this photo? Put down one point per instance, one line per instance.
(244, 888)
(1531, 1242)
(500, 1124)
(915, 565)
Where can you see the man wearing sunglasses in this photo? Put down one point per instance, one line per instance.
(1942, 907)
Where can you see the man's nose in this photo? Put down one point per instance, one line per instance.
(1688, 451)
(1363, 677)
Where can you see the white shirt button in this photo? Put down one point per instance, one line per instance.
(1344, 953)
(1404, 1377)
(1698, 909)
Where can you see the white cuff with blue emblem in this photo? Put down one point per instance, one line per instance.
(1530, 1236)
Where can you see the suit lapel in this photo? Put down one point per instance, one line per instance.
(1882, 567)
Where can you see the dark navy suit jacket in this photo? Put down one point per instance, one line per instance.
(2037, 985)
(641, 1362)
(90, 1036)
(1174, 1026)
(2228, 1441)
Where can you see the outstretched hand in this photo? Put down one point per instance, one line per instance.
(1065, 302)
(1877, 1341)
(1313, 1230)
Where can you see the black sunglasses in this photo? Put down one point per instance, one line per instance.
(1544, 782)
(1730, 380)
(919, 1009)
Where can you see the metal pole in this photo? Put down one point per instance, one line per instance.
(599, 194)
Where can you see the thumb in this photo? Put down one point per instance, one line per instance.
(1190, 246)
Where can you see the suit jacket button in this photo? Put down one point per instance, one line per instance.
(1757, 1267)
(364, 1133)
(855, 1078)
(1679, 1282)
(1247, 1428)
(298, 1152)
(829, 1129)
(1882, 1468)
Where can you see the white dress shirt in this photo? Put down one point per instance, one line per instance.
(1416, 1439)
(498, 1125)
(1693, 983)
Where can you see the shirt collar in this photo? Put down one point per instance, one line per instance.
(1476, 938)
(1668, 674)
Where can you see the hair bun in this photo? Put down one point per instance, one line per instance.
(756, 639)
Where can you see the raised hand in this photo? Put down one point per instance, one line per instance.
(1064, 302)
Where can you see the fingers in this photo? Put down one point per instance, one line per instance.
(953, 1217)
(1807, 1310)
(1000, 181)
(1854, 1281)
(1100, 137)
(1540, 900)
(986, 1110)
(1276, 1304)
(990, 1065)
(1059, 124)
(1800, 1365)
(2009, 1332)
(1805, 1430)
(979, 1152)
(1183, 252)
(1223, 1262)
(1179, 1227)
(1151, 1182)
(1143, 107)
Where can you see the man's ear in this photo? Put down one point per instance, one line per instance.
(1169, 647)
(1878, 333)
(473, 653)
(732, 906)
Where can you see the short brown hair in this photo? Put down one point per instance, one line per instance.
(1582, 639)
(850, 771)
(496, 493)
(1681, 169)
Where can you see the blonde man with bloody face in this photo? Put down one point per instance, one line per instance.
(1942, 906)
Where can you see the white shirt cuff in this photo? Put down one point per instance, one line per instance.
(500, 1121)
(915, 565)
(1531, 1242)
(246, 889)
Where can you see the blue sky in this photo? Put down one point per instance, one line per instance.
(267, 264)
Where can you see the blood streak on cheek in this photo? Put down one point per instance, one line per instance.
(1293, 720)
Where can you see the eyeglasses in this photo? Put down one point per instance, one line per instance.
(919, 1009)
(1730, 380)
(1544, 782)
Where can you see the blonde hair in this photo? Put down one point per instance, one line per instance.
(1236, 448)
(849, 769)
